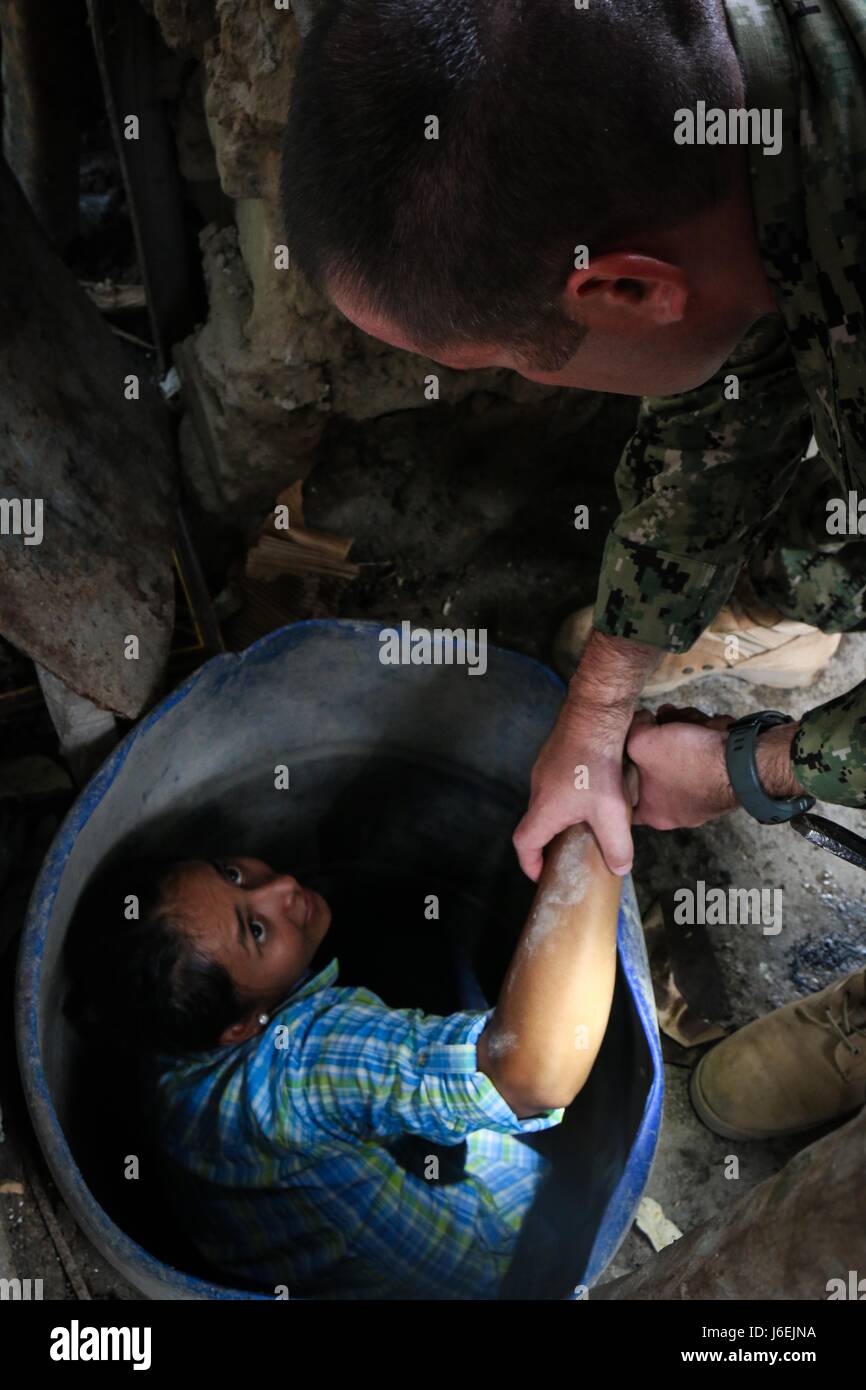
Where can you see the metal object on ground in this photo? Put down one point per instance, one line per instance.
(828, 834)
(403, 780)
(129, 48)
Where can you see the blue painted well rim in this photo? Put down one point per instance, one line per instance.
(119, 1248)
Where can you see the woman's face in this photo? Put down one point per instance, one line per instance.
(263, 927)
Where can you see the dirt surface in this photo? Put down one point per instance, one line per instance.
(464, 516)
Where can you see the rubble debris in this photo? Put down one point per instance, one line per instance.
(113, 298)
(652, 1222)
(297, 549)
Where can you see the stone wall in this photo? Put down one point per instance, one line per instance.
(273, 362)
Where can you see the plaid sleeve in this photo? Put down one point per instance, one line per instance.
(361, 1069)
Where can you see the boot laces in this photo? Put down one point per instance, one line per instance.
(844, 1027)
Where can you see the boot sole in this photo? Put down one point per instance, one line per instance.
(708, 1116)
(755, 675)
(754, 670)
(565, 668)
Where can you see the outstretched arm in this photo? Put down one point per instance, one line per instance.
(698, 484)
(546, 1031)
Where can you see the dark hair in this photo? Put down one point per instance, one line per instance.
(143, 981)
(556, 130)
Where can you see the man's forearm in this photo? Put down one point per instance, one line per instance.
(773, 761)
(682, 769)
(578, 775)
(611, 675)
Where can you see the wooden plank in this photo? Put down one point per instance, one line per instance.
(271, 557)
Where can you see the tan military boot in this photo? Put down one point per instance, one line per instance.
(796, 1068)
(748, 639)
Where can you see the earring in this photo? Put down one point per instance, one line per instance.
(263, 1019)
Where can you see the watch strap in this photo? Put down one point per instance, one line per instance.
(740, 759)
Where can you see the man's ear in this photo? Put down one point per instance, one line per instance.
(646, 288)
(241, 1031)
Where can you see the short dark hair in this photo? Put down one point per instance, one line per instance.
(143, 982)
(556, 129)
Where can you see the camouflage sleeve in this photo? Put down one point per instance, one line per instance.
(698, 483)
(829, 752)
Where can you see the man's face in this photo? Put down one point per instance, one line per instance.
(264, 927)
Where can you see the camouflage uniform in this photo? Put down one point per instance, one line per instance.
(707, 482)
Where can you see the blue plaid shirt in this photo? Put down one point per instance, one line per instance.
(349, 1151)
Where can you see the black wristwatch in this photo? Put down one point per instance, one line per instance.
(743, 771)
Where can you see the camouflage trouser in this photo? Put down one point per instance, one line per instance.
(804, 572)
